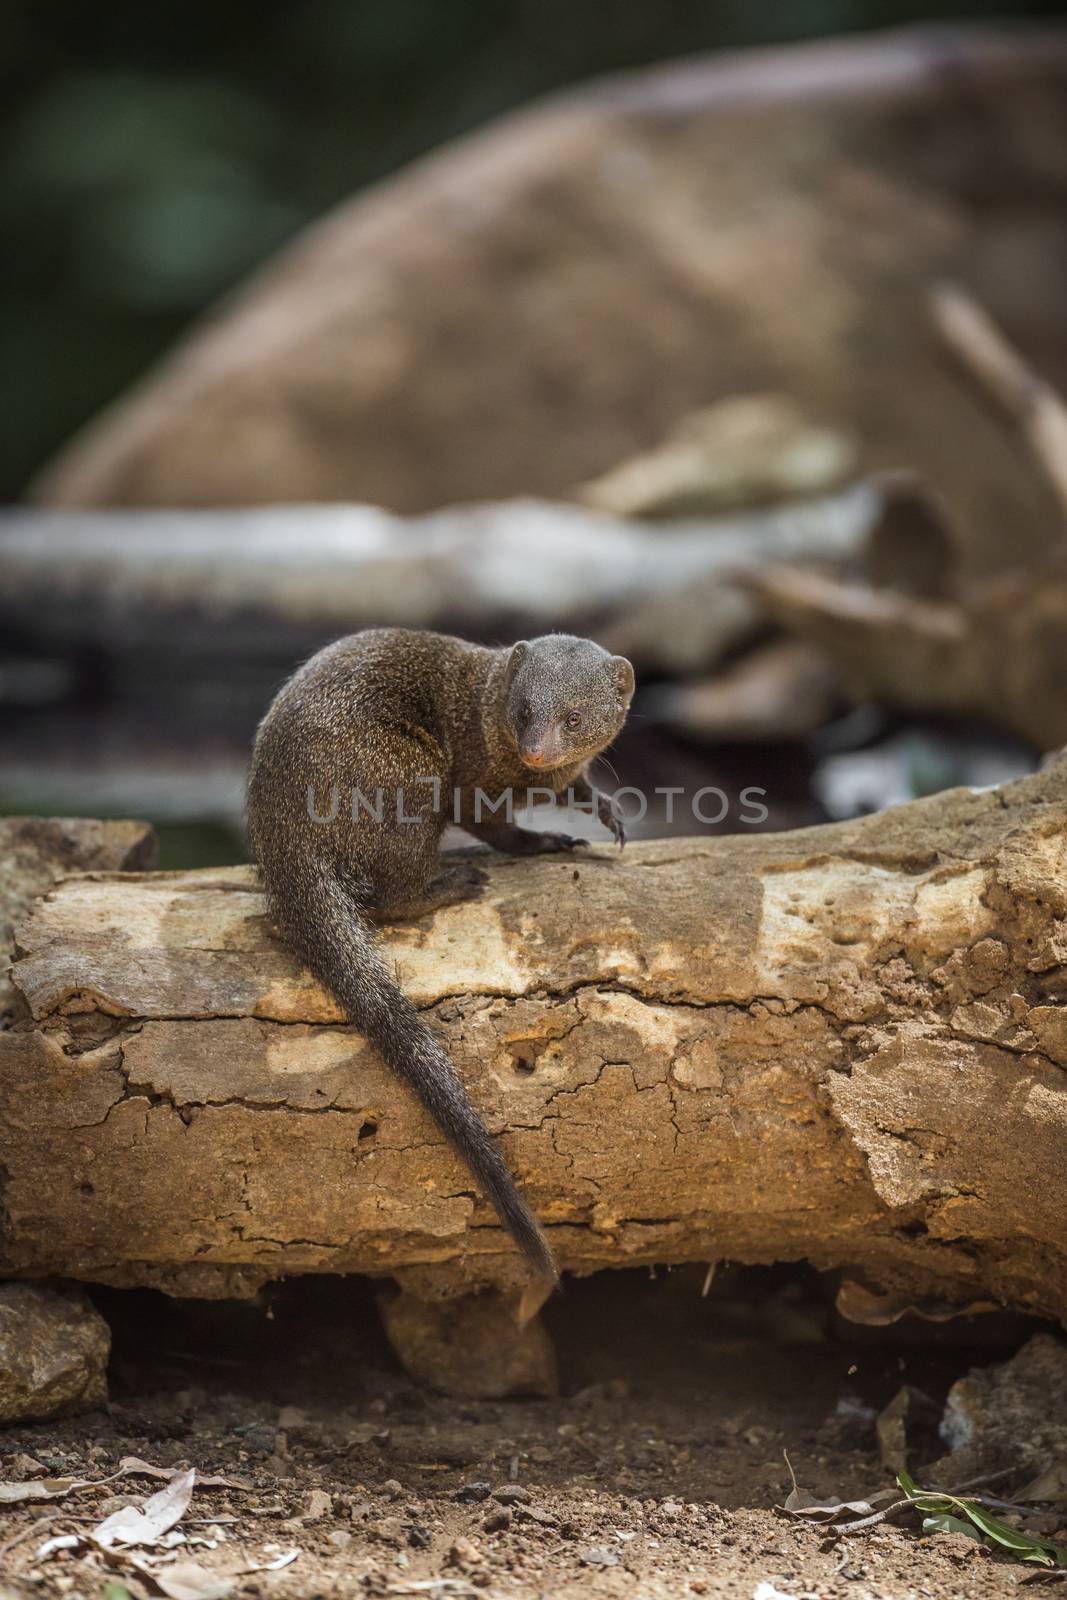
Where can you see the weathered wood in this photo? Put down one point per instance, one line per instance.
(845, 1044)
(36, 851)
(268, 584)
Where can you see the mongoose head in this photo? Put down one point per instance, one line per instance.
(565, 699)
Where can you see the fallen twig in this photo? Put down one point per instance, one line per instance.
(1031, 402)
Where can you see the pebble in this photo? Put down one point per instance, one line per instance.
(317, 1504)
(599, 1556)
(535, 1514)
(463, 1553)
(512, 1494)
(471, 1494)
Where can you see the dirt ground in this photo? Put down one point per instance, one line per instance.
(657, 1472)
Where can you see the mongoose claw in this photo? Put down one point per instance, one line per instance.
(611, 817)
(551, 842)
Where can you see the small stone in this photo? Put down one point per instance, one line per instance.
(535, 1514)
(599, 1556)
(261, 1439)
(419, 1537)
(388, 1530)
(497, 1521)
(512, 1494)
(317, 1504)
(463, 1553)
(392, 1488)
(340, 1537)
(471, 1494)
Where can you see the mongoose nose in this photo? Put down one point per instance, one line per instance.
(534, 757)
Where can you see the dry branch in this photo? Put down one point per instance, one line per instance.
(1032, 403)
(996, 649)
(844, 1044)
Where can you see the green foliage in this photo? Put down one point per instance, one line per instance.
(949, 1513)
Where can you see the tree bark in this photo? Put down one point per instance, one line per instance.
(844, 1045)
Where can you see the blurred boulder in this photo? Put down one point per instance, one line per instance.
(1013, 1413)
(522, 311)
(53, 1352)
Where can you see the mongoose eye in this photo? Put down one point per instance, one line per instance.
(574, 719)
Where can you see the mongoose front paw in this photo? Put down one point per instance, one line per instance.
(612, 819)
(549, 843)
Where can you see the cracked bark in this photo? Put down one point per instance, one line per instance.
(845, 1045)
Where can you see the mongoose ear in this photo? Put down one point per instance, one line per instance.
(517, 652)
(624, 677)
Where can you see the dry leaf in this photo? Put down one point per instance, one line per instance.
(185, 1580)
(14, 1494)
(1050, 1485)
(145, 1524)
(134, 1467)
(277, 1564)
(62, 1541)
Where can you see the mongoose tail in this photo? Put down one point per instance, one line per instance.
(336, 942)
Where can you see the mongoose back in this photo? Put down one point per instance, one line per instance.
(394, 724)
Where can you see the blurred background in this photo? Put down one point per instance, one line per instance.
(154, 154)
(155, 157)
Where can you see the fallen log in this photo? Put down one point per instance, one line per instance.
(35, 852)
(270, 584)
(844, 1045)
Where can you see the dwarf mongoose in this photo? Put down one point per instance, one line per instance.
(406, 725)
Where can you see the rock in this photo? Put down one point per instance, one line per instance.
(471, 1494)
(536, 303)
(53, 1353)
(472, 1345)
(511, 1494)
(1015, 1412)
(599, 1556)
(463, 1553)
(317, 1504)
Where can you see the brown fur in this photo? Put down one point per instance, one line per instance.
(383, 710)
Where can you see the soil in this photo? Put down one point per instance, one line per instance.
(658, 1472)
